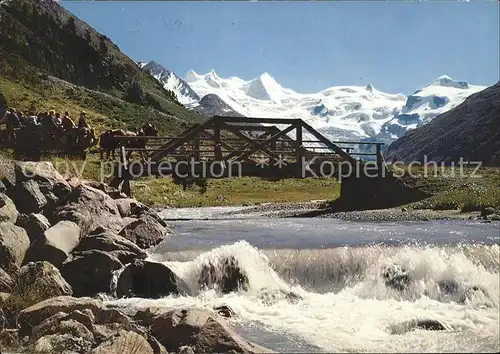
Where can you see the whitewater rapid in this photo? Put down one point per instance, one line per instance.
(346, 306)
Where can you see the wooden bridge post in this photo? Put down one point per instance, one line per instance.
(197, 148)
(379, 159)
(125, 173)
(216, 132)
(273, 146)
(217, 148)
(299, 155)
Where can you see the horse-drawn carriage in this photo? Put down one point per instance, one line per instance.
(111, 140)
(31, 142)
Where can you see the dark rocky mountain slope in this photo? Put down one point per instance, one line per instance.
(170, 80)
(471, 131)
(40, 40)
(211, 105)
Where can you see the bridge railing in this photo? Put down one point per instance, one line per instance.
(153, 143)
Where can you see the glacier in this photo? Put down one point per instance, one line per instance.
(339, 112)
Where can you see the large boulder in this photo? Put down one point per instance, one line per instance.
(82, 318)
(14, 242)
(146, 232)
(35, 282)
(90, 272)
(116, 245)
(5, 282)
(51, 183)
(28, 197)
(155, 216)
(149, 280)
(114, 193)
(90, 208)
(60, 343)
(224, 275)
(127, 221)
(55, 244)
(76, 335)
(8, 210)
(202, 330)
(43, 280)
(34, 224)
(36, 314)
(130, 207)
(124, 342)
(59, 324)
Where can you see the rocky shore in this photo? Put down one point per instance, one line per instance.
(66, 242)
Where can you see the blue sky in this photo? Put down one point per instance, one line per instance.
(309, 46)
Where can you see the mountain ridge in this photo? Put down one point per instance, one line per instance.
(172, 82)
(470, 131)
(207, 105)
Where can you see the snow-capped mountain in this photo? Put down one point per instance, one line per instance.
(172, 82)
(340, 112)
(420, 108)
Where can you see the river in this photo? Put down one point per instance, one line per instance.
(335, 266)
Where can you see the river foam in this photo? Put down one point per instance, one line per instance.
(346, 306)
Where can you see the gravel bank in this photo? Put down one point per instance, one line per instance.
(316, 210)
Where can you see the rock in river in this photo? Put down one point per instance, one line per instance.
(146, 232)
(224, 275)
(124, 342)
(36, 314)
(200, 329)
(148, 280)
(396, 277)
(90, 272)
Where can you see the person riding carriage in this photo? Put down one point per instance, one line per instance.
(11, 123)
(84, 133)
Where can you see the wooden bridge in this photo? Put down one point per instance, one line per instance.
(271, 148)
(265, 147)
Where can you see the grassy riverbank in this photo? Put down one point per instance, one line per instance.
(235, 191)
(219, 192)
(467, 191)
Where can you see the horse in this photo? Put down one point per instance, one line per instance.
(140, 144)
(108, 144)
